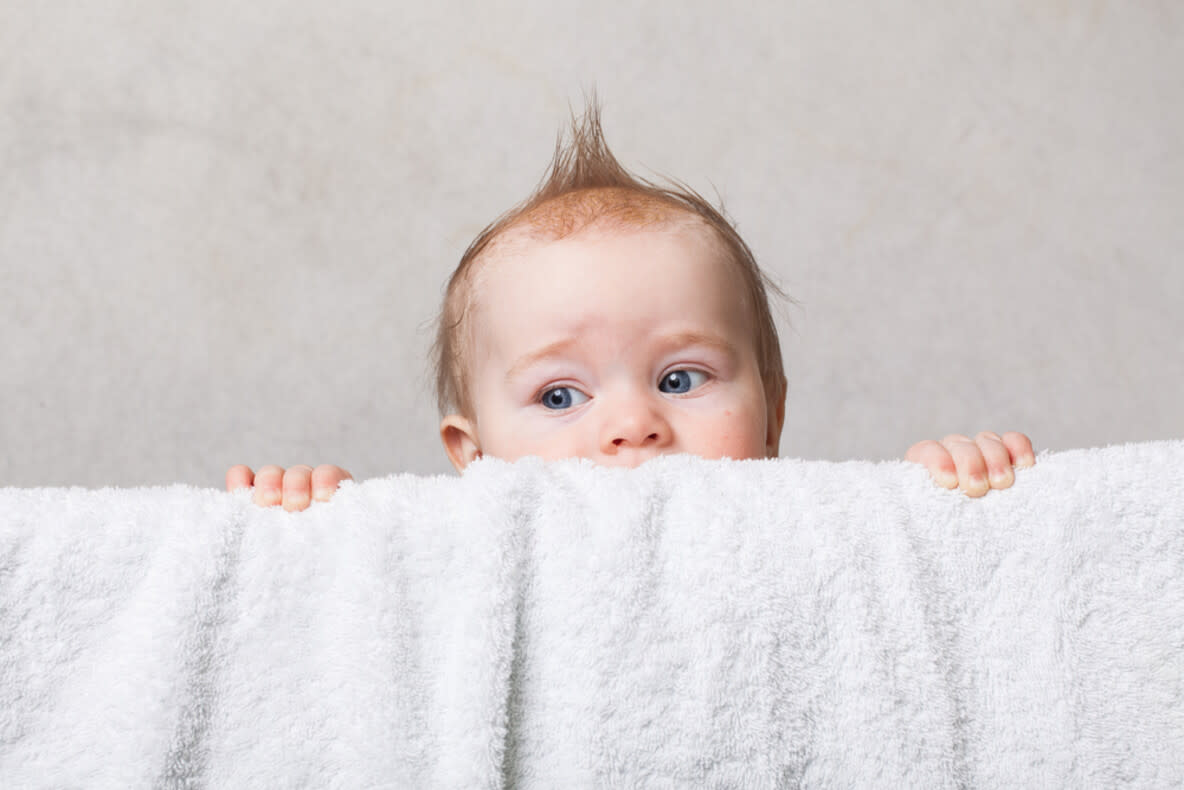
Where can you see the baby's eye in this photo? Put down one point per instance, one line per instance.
(558, 398)
(680, 381)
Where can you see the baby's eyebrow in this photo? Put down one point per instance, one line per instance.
(683, 339)
(558, 348)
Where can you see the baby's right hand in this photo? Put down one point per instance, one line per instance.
(295, 488)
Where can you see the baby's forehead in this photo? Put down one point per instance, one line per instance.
(522, 258)
(510, 261)
(531, 275)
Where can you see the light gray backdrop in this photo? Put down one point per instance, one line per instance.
(224, 226)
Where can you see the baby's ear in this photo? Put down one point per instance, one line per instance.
(459, 435)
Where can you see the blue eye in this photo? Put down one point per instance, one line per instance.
(559, 398)
(679, 381)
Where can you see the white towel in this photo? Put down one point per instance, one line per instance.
(686, 624)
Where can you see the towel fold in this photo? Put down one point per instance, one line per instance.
(688, 623)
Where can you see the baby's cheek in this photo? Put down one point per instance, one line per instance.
(519, 439)
(735, 435)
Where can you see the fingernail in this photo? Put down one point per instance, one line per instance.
(322, 494)
(1002, 480)
(947, 479)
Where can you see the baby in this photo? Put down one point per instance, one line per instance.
(614, 319)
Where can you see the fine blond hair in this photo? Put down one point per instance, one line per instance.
(586, 185)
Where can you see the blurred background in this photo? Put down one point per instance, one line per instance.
(225, 226)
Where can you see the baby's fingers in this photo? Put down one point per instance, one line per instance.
(297, 487)
(269, 486)
(971, 464)
(294, 488)
(937, 460)
(239, 476)
(975, 465)
(325, 479)
(1020, 447)
(997, 458)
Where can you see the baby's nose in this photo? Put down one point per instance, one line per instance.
(632, 427)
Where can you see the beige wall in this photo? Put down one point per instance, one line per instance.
(224, 225)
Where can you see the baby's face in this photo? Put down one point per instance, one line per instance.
(614, 346)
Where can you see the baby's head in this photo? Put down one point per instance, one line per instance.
(608, 318)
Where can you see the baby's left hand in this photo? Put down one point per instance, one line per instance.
(975, 465)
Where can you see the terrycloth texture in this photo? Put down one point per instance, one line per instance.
(685, 624)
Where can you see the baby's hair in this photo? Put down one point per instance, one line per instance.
(586, 185)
